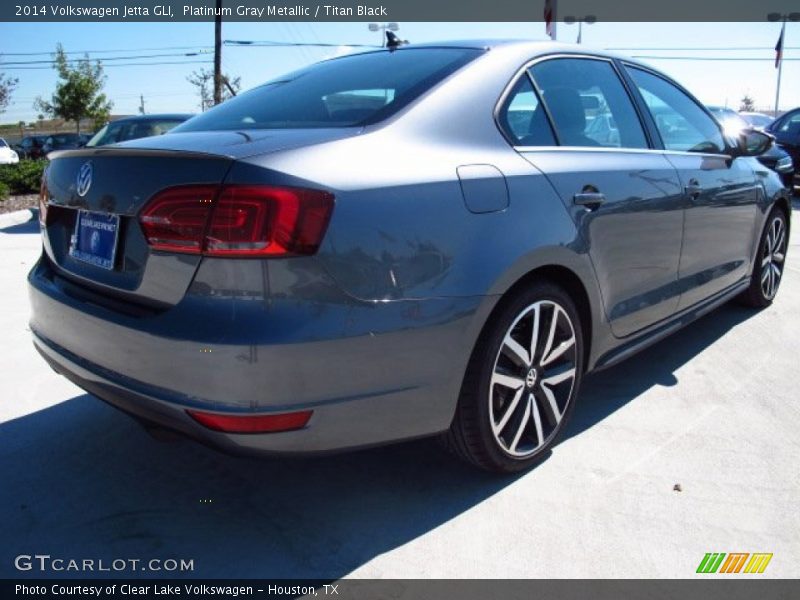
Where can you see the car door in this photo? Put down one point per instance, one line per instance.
(721, 192)
(624, 197)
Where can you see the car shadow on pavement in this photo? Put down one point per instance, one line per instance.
(81, 480)
(608, 390)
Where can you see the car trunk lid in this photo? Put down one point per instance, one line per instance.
(119, 184)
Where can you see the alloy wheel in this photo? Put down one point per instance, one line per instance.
(773, 258)
(532, 379)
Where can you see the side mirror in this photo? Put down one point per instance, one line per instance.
(753, 142)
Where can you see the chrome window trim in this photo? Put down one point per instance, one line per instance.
(524, 71)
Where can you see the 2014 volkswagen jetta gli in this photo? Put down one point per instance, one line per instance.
(428, 240)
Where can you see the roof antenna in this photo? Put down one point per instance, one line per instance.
(393, 42)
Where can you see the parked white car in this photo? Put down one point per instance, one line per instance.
(7, 155)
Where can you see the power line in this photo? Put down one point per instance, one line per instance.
(700, 58)
(134, 64)
(270, 43)
(108, 51)
(709, 49)
(134, 57)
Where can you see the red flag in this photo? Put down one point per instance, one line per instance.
(779, 49)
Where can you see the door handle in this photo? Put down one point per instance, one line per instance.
(590, 200)
(693, 189)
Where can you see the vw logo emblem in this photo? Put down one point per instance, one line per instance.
(84, 181)
(530, 378)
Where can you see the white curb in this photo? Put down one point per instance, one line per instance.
(18, 217)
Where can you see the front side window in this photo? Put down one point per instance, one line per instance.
(344, 92)
(588, 103)
(682, 124)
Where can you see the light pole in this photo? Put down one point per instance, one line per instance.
(774, 17)
(588, 19)
(383, 27)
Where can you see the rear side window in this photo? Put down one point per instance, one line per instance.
(3, 143)
(588, 103)
(344, 92)
(522, 117)
(682, 124)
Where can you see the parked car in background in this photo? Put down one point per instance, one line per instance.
(7, 155)
(64, 141)
(31, 146)
(370, 250)
(132, 128)
(757, 120)
(786, 130)
(774, 158)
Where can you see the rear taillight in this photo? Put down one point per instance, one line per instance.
(242, 221)
(43, 193)
(176, 219)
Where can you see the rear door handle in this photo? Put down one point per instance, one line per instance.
(693, 189)
(590, 200)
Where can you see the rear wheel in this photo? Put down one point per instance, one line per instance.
(768, 268)
(521, 382)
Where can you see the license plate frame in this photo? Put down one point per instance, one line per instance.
(95, 237)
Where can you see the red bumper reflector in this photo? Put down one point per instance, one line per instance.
(252, 423)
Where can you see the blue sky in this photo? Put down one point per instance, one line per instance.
(166, 90)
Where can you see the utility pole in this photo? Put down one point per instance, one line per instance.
(218, 54)
(141, 104)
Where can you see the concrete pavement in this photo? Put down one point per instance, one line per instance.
(714, 409)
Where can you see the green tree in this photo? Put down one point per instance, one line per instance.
(746, 104)
(79, 93)
(7, 85)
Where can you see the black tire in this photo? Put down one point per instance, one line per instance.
(763, 284)
(534, 424)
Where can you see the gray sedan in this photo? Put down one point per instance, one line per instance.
(424, 241)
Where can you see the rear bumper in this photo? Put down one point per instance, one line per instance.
(372, 373)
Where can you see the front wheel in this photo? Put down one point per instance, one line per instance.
(770, 259)
(520, 387)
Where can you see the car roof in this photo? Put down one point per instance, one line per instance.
(519, 48)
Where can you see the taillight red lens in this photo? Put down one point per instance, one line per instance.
(43, 194)
(252, 423)
(268, 221)
(176, 219)
(242, 221)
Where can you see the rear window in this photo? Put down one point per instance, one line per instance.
(344, 92)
